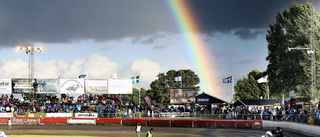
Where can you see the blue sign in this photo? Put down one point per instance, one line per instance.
(203, 100)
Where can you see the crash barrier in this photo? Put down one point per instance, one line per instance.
(90, 121)
(228, 123)
(25, 120)
(159, 122)
(144, 122)
(53, 120)
(134, 121)
(297, 127)
(109, 121)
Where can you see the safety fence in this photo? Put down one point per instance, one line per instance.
(199, 123)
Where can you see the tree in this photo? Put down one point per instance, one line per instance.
(249, 88)
(143, 93)
(289, 71)
(159, 92)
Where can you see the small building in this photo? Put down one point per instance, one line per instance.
(256, 103)
(209, 101)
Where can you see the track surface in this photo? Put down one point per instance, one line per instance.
(127, 131)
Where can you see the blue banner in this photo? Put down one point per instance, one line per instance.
(203, 100)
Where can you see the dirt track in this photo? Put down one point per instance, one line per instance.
(127, 131)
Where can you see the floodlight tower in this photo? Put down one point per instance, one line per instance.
(30, 50)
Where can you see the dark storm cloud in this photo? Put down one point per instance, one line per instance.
(62, 21)
(227, 15)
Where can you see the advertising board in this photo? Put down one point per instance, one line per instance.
(48, 86)
(96, 86)
(58, 114)
(86, 115)
(23, 85)
(182, 95)
(120, 86)
(5, 86)
(72, 86)
(203, 100)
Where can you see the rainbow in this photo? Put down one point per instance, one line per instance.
(197, 50)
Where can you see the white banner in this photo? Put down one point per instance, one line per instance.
(81, 121)
(123, 86)
(6, 114)
(5, 86)
(58, 114)
(96, 86)
(86, 115)
(72, 86)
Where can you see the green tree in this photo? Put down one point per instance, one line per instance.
(291, 70)
(135, 95)
(159, 92)
(249, 88)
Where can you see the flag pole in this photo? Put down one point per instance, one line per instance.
(181, 81)
(232, 88)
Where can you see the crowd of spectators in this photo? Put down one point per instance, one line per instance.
(110, 106)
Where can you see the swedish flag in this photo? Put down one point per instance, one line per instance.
(135, 79)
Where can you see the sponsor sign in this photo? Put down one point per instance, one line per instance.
(96, 86)
(72, 86)
(48, 86)
(182, 95)
(6, 114)
(86, 115)
(25, 121)
(23, 85)
(58, 114)
(203, 100)
(123, 86)
(5, 86)
(81, 121)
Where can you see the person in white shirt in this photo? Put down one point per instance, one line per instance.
(138, 129)
(9, 124)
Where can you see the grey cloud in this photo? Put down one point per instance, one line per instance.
(108, 47)
(62, 21)
(248, 34)
(244, 62)
(159, 47)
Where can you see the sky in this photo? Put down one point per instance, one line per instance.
(132, 37)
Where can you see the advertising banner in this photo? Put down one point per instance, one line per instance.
(203, 100)
(182, 95)
(48, 86)
(72, 86)
(5, 86)
(58, 114)
(81, 121)
(23, 85)
(117, 86)
(6, 115)
(96, 86)
(86, 115)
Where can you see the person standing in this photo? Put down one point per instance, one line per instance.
(149, 133)
(138, 129)
(9, 124)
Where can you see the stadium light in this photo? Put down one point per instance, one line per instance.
(30, 50)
